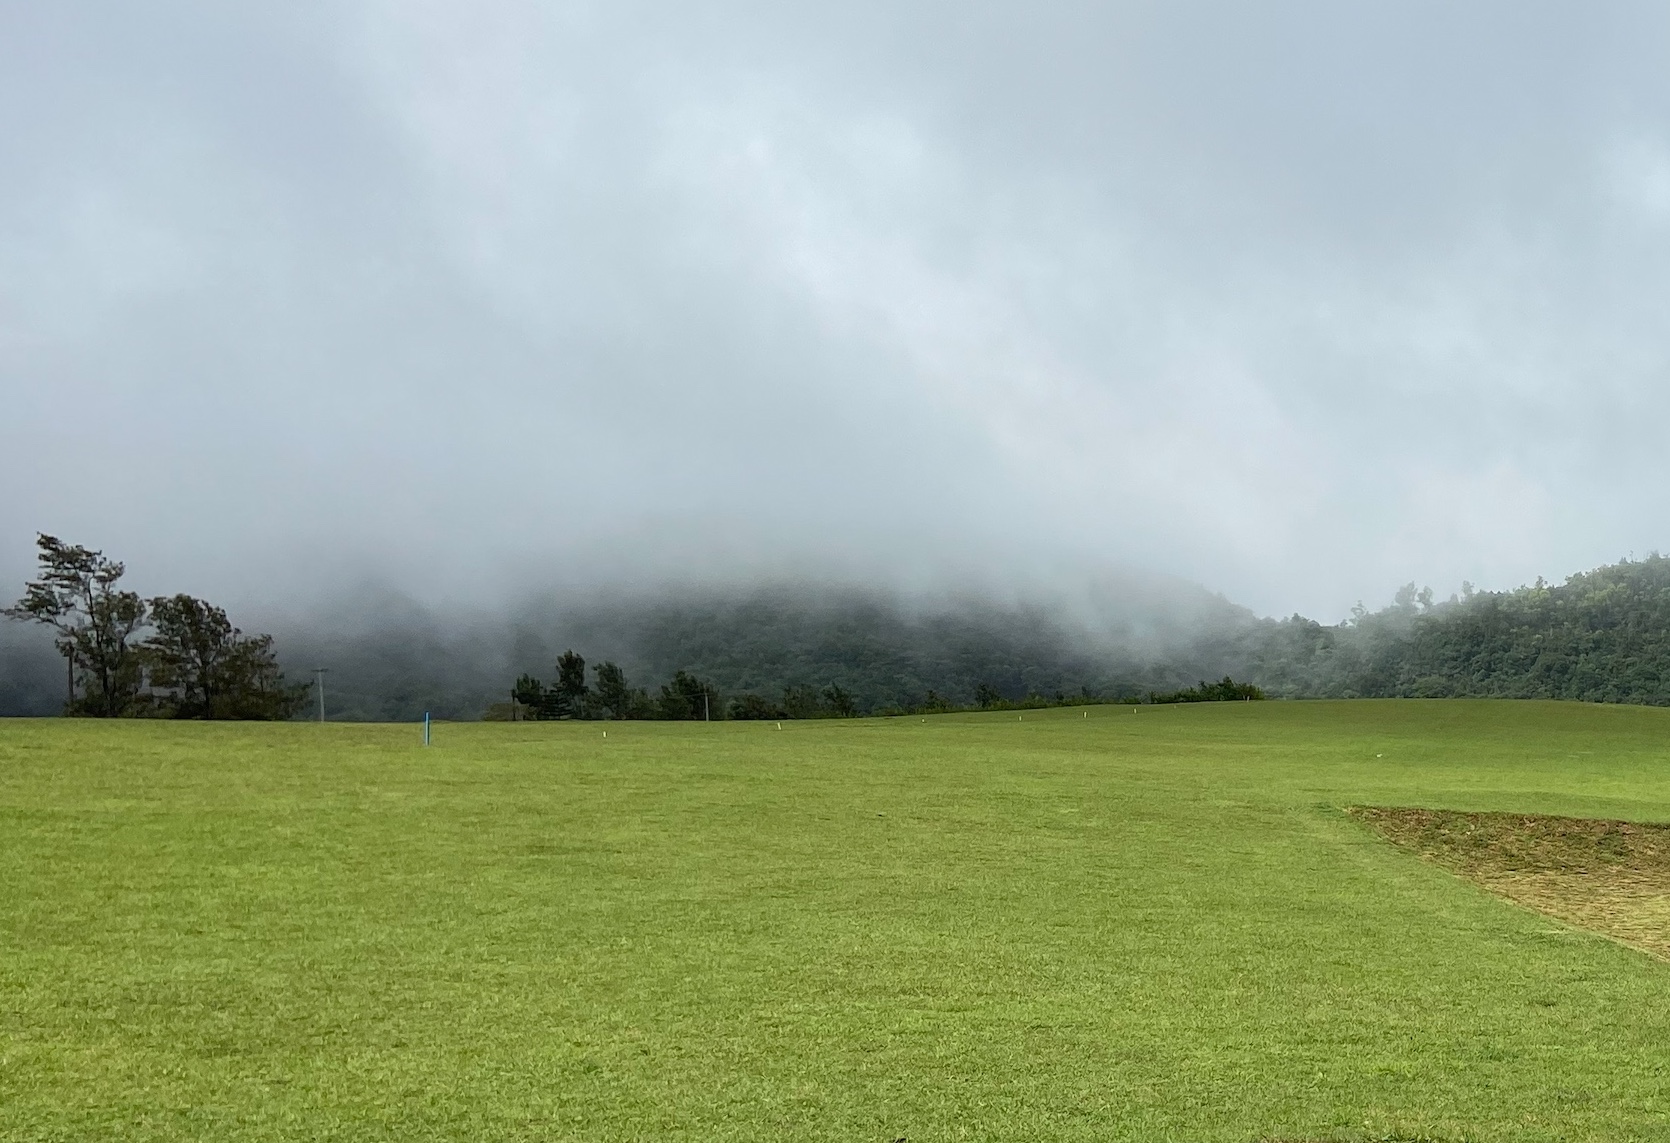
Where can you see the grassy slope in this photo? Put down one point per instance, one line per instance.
(1149, 924)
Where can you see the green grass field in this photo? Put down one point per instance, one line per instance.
(1148, 924)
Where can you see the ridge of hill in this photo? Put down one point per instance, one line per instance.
(1121, 636)
(1601, 636)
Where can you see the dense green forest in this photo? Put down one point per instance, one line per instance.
(1602, 636)
(789, 651)
(784, 645)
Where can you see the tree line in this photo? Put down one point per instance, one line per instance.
(613, 697)
(1599, 636)
(683, 698)
(170, 656)
(1224, 690)
(1603, 635)
(686, 697)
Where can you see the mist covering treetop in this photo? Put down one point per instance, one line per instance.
(1297, 300)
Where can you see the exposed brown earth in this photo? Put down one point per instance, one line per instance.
(1611, 877)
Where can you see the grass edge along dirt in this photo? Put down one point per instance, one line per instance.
(1607, 876)
(1151, 923)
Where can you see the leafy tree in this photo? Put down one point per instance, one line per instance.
(987, 696)
(615, 698)
(571, 690)
(687, 697)
(801, 702)
(207, 668)
(529, 692)
(1227, 690)
(840, 703)
(77, 596)
(187, 653)
(753, 707)
(798, 702)
(539, 702)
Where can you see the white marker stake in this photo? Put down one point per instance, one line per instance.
(426, 728)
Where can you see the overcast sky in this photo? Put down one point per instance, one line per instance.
(1298, 301)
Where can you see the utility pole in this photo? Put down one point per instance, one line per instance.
(707, 715)
(319, 675)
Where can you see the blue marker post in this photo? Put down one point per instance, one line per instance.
(426, 728)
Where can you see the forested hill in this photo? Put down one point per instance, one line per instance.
(392, 660)
(1602, 636)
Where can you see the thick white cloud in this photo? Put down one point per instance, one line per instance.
(1300, 301)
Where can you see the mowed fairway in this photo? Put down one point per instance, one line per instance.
(1147, 924)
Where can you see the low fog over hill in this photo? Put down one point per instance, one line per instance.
(1298, 301)
(1602, 635)
(391, 658)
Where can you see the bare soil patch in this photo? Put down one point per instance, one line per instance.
(1611, 877)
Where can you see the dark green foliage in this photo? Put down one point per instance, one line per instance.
(571, 690)
(798, 702)
(613, 695)
(687, 697)
(838, 702)
(570, 698)
(200, 666)
(95, 624)
(802, 702)
(195, 664)
(392, 659)
(747, 707)
(877, 650)
(528, 692)
(615, 699)
(1602, 636)
(1227, 690)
